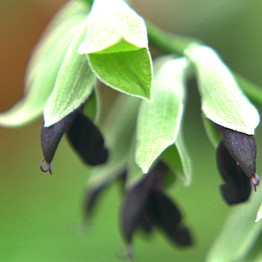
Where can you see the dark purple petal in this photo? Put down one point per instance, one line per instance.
(91, 199)
(94, 194)
(132, 210)
(145, 224)
(87, 140)
(237, 188)
(182, 236)
(242, 148)
(136, 200)
(164, 213)
(50, 138)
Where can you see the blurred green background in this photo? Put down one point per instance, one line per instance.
(40, 215)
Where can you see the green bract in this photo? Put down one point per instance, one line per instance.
(45, 65)
(70, 15)
(116, 35)
(223, 102)
(159, 121)
(73, 84)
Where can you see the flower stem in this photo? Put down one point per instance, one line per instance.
(172, 43)
(168, 42)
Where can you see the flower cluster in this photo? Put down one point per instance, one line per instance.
(141, 139)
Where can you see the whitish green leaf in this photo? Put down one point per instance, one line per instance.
(41, 86)
(178, 160)
(259, 214)
(159, 121)
(110, 22)
(175, 157)
(134, 172)
(127, 72)
(118, 130)
(71, 14)
(223, 102)
(73, 85)
(117, 48)
(239, 233)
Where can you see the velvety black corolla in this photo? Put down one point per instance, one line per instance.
(146, 206)
(83, 135)
(87, 140)
(93, 194)
(236, 159)
(91, 199)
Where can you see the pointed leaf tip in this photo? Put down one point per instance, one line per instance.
(117, 48)
(159, 121)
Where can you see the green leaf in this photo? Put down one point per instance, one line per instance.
(110, 22)
(223, 102)
(71, 14)
(134, 172)
(118, 130)
(127, 72)
(178, 160)
(259, 214)
(44, 65)
(175, 157)
(41, 85)
(239, 233)
(186, 171)
(73, 85)
(159, 121)
(117, 48)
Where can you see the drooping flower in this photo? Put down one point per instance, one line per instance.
(82, 134)
(147, 206)
(236, 159)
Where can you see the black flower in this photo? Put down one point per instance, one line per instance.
(146, 206)
(236, 159)
(83, 135)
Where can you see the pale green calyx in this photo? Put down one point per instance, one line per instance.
(45, 65)
(111, 22)
(223, 102)
(73, 85)
(159, 121)
(117, 36)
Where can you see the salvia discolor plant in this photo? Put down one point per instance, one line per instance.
(140, 141)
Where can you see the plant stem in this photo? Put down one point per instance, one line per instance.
(172, 43)
(168, 42)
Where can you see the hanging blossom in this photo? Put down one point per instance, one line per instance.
(140, 141)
